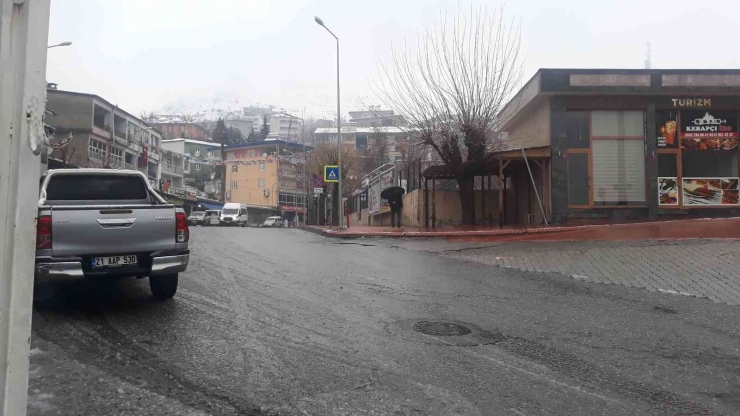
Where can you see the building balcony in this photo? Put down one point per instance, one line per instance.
(172, 169)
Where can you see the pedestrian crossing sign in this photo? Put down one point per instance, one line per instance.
(331, 173)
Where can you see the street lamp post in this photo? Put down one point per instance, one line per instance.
(59, 44)
(339, 128)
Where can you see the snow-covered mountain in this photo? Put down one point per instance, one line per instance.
(223, 104)
(230, 106)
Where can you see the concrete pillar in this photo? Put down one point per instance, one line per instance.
(559, 162)
(651, 160)
(24, 30)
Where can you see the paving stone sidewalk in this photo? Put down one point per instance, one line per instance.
(702, 268)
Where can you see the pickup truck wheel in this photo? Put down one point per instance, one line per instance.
(163, 286)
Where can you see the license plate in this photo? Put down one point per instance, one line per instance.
(114, 261)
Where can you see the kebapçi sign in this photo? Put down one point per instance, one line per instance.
(708, 123)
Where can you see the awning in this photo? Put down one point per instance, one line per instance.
(211, 205)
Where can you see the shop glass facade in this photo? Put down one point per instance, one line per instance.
(697, 158)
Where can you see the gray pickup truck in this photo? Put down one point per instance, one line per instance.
(102, 223)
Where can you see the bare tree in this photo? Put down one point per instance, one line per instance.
(452, 87)
(149, 117)
(326, 154)
(378, 149)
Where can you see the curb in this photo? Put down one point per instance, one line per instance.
(433, 234)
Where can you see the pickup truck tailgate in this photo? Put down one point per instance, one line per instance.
(81, 230)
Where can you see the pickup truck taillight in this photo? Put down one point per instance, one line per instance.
(181, 225)
(43, 232)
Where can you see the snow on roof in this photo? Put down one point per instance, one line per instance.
(212, 144)
(352, 129)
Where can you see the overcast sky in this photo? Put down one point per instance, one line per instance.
(143, 54)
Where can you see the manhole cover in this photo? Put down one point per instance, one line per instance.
(442, 329)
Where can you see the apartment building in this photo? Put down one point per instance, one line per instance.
(182, 130)
(357, 137)
(285, 127)
(173, 173)
(375, 117)
(200, 160)
(267, 174)
(101, 135)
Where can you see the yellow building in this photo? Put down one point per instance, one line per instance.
(267, 174)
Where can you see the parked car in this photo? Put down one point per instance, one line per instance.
(212, 217)
(104, 224)
(273, 222)
(234, 214)
(197, 217)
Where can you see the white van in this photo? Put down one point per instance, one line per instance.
(234, 214)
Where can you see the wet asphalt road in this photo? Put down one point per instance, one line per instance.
(287, 322)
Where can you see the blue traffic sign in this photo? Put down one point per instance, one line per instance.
(331, 173)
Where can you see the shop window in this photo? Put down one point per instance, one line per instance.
(617, 124)
(618, 172)
(618, 158)
(667, 165)
(578, 188)
(709, 163)
(574, 125)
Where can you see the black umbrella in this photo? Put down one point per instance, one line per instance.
(392, 192)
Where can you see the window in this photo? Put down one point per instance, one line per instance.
(230, 156)
(186, 167)
(233, 184)
(618, 157)
(116, 155)
(97, 150)
(578, 184)
(93, 187)
(197, 167)
(667, 165)
(250, 153)
(234, 168)
(262, 166)
(617, 123)
(261, 183)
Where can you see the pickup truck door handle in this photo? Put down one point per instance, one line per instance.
(116, 223)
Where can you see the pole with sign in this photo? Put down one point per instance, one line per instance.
(331, 175)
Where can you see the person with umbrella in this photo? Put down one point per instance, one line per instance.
(394, 196)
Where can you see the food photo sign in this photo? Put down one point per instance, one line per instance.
(710, 191)
(668, 191)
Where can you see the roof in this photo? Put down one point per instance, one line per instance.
(99, 98)
(352, 129)
(268, 143)
(210, 144)
(578, 81)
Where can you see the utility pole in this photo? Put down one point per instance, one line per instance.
(24, 32)
(303, 170)
(223, 171)
(648, 64)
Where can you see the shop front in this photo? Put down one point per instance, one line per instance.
(635, 144)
